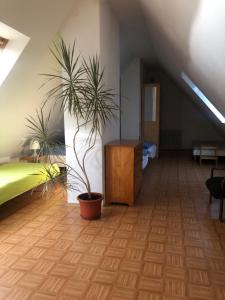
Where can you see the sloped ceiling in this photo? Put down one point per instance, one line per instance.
(182, 36)
(20, 94)
(134, 34)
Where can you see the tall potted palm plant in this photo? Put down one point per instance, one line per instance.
(78, 87)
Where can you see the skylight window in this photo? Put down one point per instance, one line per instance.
(202, 97)
(3, 43)
(13, 43)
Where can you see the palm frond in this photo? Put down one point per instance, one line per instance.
(99, 106)
(39, 130)
(79, 88)
(67, 92)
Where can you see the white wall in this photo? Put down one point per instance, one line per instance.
(96, 32)
(131, 100)
(83, 26)
(110, 60)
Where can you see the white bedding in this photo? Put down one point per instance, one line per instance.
(145, 160)
(149, 152)
(153, 149)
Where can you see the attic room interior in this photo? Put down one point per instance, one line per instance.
(112, 145)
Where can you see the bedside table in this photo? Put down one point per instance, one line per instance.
(29, 159)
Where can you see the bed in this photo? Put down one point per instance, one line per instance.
(208, 149)
(18, 178)
(148, 153)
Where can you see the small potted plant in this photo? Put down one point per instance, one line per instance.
(78, 87)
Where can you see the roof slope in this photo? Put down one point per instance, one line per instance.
(20, 95)
(182, 36)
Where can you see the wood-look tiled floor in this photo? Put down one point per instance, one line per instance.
(170, 246)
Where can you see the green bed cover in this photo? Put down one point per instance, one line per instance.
(17, 178)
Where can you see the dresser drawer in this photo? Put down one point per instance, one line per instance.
(123, 171)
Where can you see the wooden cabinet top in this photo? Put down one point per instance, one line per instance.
(124, 143)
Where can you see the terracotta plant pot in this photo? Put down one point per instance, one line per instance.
(90, 209)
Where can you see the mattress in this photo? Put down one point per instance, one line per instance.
(17, 178)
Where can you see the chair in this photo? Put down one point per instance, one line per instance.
(208, 152)
(216, 187)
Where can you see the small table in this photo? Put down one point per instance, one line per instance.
(208, 152)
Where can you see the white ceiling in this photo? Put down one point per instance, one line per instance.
(180, 35)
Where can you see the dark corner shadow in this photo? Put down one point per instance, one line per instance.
(157, 72)
(166, 50)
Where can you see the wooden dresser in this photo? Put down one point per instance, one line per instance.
(123, 171)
